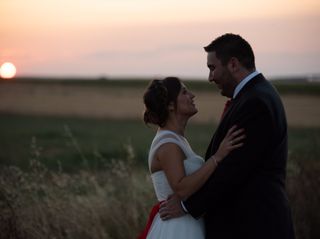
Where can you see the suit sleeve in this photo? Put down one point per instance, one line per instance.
(239, 165)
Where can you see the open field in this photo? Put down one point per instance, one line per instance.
(73, 154)
(113, 101)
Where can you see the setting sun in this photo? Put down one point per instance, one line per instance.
(7, 70)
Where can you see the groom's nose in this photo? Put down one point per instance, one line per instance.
(211, 77)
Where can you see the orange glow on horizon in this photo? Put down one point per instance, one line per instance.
(146, 37)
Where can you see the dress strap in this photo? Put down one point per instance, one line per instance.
(164, 137)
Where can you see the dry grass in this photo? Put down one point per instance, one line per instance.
(111, 203)
(114, 202)
(103, 102)
(303, 182)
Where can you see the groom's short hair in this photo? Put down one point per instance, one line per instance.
(232, 45)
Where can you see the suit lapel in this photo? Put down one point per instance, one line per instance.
(224, 124)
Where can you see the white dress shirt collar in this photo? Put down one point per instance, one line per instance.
(243, 82)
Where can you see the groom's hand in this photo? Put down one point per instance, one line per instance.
(171, 208)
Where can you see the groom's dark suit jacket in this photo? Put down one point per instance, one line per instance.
(245, 197)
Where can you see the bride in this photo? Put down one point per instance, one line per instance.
(174, 167)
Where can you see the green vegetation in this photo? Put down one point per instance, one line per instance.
(70, 141)
(311, 88)
(73, 143)
(284, 86)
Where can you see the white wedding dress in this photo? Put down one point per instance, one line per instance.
(185, 227)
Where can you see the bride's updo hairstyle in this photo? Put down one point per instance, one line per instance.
(158, 96)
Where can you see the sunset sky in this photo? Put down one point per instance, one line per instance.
(95, 38)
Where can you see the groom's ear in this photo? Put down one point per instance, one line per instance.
(233, 64)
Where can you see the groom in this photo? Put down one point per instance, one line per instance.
(245, 197)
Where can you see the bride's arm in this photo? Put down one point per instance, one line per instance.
(171, 158)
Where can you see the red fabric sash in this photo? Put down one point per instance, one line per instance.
(153, 213)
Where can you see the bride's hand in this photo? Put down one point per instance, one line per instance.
(171, 208)
(231, 141)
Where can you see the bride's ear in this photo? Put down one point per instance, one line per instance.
(171, 106)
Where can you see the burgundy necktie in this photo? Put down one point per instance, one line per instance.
(226, 106)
